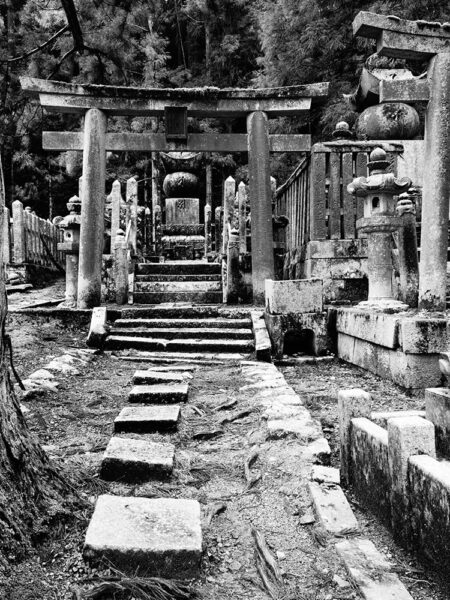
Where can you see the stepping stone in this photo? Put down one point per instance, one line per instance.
(177, 392)
(146, 536)
(151, 376)
(147, 419)
(136, 460)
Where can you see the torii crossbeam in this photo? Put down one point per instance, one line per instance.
(419, 40)
(97, 102)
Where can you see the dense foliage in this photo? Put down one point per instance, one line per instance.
(173, 43)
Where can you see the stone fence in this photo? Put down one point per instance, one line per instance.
(29, 239)
(398, 466)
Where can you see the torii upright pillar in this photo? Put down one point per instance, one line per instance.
(420, 41)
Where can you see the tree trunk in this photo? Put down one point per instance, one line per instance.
(29, 486)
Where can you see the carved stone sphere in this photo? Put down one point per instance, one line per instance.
(180, 185)
(390, 121)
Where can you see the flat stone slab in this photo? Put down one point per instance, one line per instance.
(136, 460)
(332, 508)
(381, 417)
(302, 427)
(370, 571)
(150, 376)
(323, 474)
(147, 419)
(176, 392)
(146, 536)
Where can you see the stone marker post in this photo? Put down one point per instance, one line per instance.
(351, 404)
(263, 265)
(233, 276)
(132, 207)
(116, 203)
(407, 251)
(242, 200)
(92, 209)
(207, 229)
(121, 267)
(420, 40)
(218, 229)
(6, 238)
(229, 191)
(19, 232)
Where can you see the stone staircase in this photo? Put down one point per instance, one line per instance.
(213, 329)
(178, 281)
(146, 536)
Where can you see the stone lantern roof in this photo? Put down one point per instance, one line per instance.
(379, 179)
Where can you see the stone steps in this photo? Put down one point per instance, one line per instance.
(158, 537)
(197, 333)
(187, 311)
(167, 323)
(166, 277)
(118, 342)
(149, 376)
(160, 393)
(149, 418)
(184, 267)
(135, 461)
(177, 287)
(202, 297)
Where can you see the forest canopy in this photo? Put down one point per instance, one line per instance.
(172, 43)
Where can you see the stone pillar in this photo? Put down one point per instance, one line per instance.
(229, 191)
(351, 404)
(71, 292)
(92, 209)
(407, 436)
(157, 217)
(233, 276)
(263, 266)
(218, 229)
(132, 206)
(436, 188)
(121, 267)
(407, 251)
(207, 228)
(19, 232)
(116, 202)
(379, 259)
(242, 199)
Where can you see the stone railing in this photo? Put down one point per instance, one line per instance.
(389, 460)
(29, 239)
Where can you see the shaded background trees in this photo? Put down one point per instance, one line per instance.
(174, 43)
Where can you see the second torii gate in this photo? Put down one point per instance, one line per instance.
(97, 102)
(422, 40)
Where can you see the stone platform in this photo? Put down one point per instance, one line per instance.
(148, 537)
(402, 346)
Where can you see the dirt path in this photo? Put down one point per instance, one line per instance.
(75, 424)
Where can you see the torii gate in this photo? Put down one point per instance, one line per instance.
(421, 40)
(97, 102)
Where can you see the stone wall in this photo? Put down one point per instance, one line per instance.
(394, 472)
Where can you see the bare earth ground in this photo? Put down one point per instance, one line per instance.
(76, 423)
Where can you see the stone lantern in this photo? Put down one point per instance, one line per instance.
(379, 191)
(71, 246)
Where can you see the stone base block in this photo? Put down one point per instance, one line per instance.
(136, 460)
(412, 371)
(148, 537)
(149, 377)
(177, 392)
(332, 508)
(147, 419)
(437, 410)
(293, 296)
(279, 325)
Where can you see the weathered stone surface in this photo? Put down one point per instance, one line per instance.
(381, 418)
(412, 371)
(150, 376)
(147, 419)
(184, 323)
(407, 436)
(294, 296)
(370, 571)
(136, 460)
(323, 474)
(351, 403)
(301, 427)
(429, 499)
(152, 537)
(317, 323)
(318, 451)
(177, 332)
(336, 248)
(263, 346)
(332, 508)
(117, 342)
(177, 392)
(97, 330)
(437, 410)
(369, 468)
(424, 336)
(373, 326)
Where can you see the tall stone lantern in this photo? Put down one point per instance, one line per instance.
(379, 190)
(71, 246)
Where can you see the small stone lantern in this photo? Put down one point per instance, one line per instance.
(71, 246)
(379, 190)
